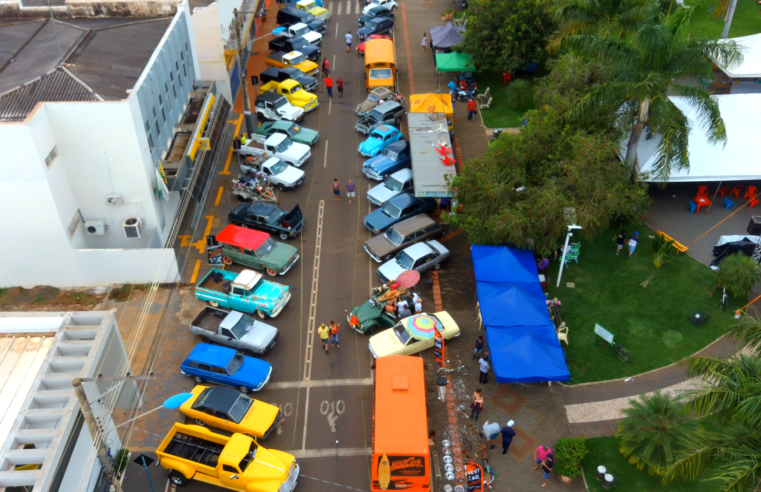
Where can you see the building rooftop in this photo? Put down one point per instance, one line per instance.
(102, 59)
(428, 131)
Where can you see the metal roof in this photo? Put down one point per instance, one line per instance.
(220, 399)
(426, 135)
(242, 237)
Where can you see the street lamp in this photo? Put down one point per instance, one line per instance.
(568, 236)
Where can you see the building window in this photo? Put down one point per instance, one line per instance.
(158, 130)
(161, 100)
(166, 88)
(169, 101)
(150, 141)
(184, 71)
(147, 126)
(176, 64)
(163, 115)
(186, 46)
(171, 76)
(51, 156)
(74, 224)
(174, 90)
(182, 55)
(154, 112)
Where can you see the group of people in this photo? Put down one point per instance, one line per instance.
(542, 454)
(621, 240)
(472, 107)
(329, 334)
(402, 308)
(350, 190)
(329, 80)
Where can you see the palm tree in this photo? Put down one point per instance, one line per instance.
(738, 274)
(655, 62)
(650, 433)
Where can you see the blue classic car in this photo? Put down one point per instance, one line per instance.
(379, 139)
(396, 210)
(393, 158)
(227, 367)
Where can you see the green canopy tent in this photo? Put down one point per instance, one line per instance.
(454, 62)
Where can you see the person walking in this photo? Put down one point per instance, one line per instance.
(479, 348)
(325, 67)
(547, 465)
(336, 187)
(491, 431)
(350, 190)
(540, 454)
(340, 87)
(483, 363)
(349, 38)
(324, 332)
(620, 239)
(507, 436)
(633, 241)
(425, 40)
(334, 333)
(478, 404)
(329, 86)
(471, 109)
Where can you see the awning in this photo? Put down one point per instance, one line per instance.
(454, 62)
(242, 237)
(750, 68)
(431, 103)
(446, 36)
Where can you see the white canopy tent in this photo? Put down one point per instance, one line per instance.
(735, 161)
(750, 68)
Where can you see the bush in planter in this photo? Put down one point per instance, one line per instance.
(121, 460)
(569, 452)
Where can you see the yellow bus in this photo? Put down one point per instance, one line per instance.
(380, 64)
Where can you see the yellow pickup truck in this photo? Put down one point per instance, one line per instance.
(238, 462)
(295, 59)
(314, 9)
(292, 91)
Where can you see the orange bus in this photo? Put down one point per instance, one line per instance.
(380, 64)
(400, 432)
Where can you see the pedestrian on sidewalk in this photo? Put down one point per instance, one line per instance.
(350, 190)
(478, 404)
(329, 86)
(323, 332)
(620, 239)
(349, 38)
(471, 109)
(425, 40)
(483, 363)
(479, 348)
(547, 465)
(340, 87)
(491, 431)
(633, 241)
(507, 436)
(334, 333)
(540, 454)
(336, 187)
(325, 67)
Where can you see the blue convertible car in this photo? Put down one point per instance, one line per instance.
(225, 366)
(379, 139)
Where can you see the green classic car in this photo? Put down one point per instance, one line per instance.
(372, 315)
(294, 131)
(256, 249)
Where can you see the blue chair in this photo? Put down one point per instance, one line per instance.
(728, 203)
(693, 206)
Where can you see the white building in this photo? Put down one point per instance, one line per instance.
(99, 127)
(44, 442)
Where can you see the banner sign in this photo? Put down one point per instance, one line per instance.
(475, 476)
(407, 466)
(438, 347)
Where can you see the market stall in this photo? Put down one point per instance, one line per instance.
(433, 103)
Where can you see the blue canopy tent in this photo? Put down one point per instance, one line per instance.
(520, 333)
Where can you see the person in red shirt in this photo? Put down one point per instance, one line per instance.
(340, 86)
(471, 109)
(329, 86)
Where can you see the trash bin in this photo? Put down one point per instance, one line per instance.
(608, 482)
(600, 472)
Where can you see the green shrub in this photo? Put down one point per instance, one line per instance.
(738, 274)
(660, 249)
(519, 95)
(569, 453)
(121, 460)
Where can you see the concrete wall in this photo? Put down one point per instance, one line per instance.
(209, 42)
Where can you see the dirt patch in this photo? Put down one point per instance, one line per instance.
(126, 291)
(46, 298)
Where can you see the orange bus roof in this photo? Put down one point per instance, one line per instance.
(401, 423)
(242, 237)
(379, 50)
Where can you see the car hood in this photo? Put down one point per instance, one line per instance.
(380, 246)
(391, 269)
(291, 175)
(268, 467)
(365, 312)
(382, 193)
(307, 135)
(378, 220)
(280, 254)
(260, 335)
(260, 417)
(366, 105)
(290, 112)
(370, 146)
(253, 371)
(296, 151)
(267, 293)
(386, 343)
(312, 37)
(304, 96)
(376, 162)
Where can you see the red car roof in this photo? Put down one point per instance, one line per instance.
(242, 237)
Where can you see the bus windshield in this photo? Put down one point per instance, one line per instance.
(380, 73)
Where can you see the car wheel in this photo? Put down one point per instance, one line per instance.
(261, 314)
(388, 258)
(213, 304)
(199, 422)
(393, 8)
(271, 272)
(437, 266)
(206, 340)
(283, 236)
(243, 389)
(281, 187)
(178, 478)
(198, 379)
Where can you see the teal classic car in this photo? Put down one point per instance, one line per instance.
(256, 249)
(381, 137)
(246, 292)
(294, 131)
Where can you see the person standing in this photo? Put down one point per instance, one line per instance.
(401, 303)
(418, 305)
(325, 67)
(329, 86)
(620, 239)
(540, 454)
(334, 333)
(340, 87)
(491, 431)
(323, 332)
(336, 187)
(350, 190)
(471, 109)
(349, 38)
(547, 465)
(633, 241)
(404, 311)
(425, 40)
(483, 363)
(479, 348)
(478, 404)
(507, 436)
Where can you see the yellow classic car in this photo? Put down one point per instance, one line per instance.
(231, 410)
(314, 9)
(292, 91)
(413, 334)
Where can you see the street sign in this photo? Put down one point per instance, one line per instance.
(204, 144)
(603, 333)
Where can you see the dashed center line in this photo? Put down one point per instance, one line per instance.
(339, 8)
(325, 158)
(336, 36)
(348, 7)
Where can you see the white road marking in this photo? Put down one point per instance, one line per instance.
(321, 383)
(333, 66)
(348, 7)
(359, 9)
(336, 36)
(330, 108)
(329, 452)
(339, 8)
(325, 159)
(369, 263)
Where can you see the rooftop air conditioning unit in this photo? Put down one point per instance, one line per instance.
(95, 227)
(133, 227)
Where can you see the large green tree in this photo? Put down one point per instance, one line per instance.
(608, 18)
(507, 35)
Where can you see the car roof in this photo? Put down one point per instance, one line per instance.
(387, 106)
(398, 146)
(413, 224)
(242, 236)
(263, 208)
(385, 128)
(402, 200)
(418, 250)
(220, 399)
(204, 352)
(402, 175)
(269, 96)
(280, 124)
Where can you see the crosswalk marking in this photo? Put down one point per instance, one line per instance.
(339, 8)
(348, 7)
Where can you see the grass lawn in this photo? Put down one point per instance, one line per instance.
(499, 114)
(651, 322)
(604, 451)
(746, 21)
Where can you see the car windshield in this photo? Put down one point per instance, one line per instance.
(374, 303)
(283, 146)
(401, 333)
(380, 73)
(280, 102)
(279, 167)
(376, 135)
(249, 458)
(239, 408)
(392, 211)
(296, 89)
(299, 43)
(394, 184)
(234, 364)
(275, 216)
(293, 130)
(393, 236)
(301, 31)
(373, 97)
(376, 115)
(265, 248)
(298, 60)
(242, 326)
(374, 21)
(404, 260)
(390, 154)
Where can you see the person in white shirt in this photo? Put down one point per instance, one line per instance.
(491, 431)
(418, 306)
(483, 364)
(400, 304)
(349, 38)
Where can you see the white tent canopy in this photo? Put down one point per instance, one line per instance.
(750, 68)
(737, 160)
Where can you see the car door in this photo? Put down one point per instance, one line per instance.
(229, 338)
(238, 299)
(204, 371)
(420, 263)
(252, 259)
(385, 26)
(413, 346)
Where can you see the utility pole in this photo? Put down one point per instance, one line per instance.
(250, 126)
(728, 20)
(95, 431)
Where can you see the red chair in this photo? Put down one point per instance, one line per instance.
(702, 202)
(750, 192)
(723, 191)
(703, 191)
(736, 191)
(753, 202)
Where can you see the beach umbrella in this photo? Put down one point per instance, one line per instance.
(408, 278)
(422, 326)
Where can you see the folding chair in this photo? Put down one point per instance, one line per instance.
(693, 206)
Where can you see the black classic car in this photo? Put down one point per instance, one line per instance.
(268, 217)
